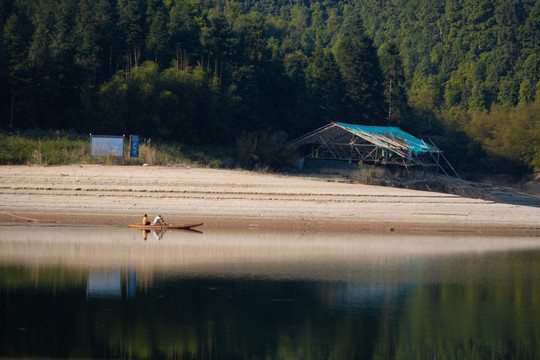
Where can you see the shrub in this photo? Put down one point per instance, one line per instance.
(265, 149)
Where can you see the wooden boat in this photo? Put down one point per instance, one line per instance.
(164, 227)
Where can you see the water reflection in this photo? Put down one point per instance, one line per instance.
(103, 283)
(158, 235)
(102, 292)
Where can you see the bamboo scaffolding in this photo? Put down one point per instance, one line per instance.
(334, 141)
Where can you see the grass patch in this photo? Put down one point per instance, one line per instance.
(48, 149)
(64, 148)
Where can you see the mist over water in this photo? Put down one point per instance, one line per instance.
(106, 292)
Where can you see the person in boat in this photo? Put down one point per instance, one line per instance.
(158, 220)
(145, 220)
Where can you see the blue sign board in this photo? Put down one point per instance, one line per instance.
(134, 146)
(105, 145)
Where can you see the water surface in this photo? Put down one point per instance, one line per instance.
(102, 292)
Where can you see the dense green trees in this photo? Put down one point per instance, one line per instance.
(178, 104)
(204, 71)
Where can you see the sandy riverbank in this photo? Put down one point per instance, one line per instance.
(120, 195)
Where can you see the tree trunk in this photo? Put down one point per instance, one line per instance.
(12, 106)
(390, 102)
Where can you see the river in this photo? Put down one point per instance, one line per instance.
(93, 292)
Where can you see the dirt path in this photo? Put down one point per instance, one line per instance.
(89, 194)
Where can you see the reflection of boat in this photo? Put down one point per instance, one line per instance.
(164, 227)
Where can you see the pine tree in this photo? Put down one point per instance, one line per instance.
(362, 74)
(184, 32)
(217, 40)
(132, 24)
(16, 38)
(325, 87)
(395, 92)
(96, 35)
(158, 37)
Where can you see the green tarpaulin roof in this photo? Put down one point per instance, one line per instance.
(381, 135)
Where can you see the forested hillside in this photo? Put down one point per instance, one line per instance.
(463, 73)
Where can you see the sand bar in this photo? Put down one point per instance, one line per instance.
(235, 199)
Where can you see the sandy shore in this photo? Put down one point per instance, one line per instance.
(120, 195)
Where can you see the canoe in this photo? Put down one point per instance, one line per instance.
(164, 227)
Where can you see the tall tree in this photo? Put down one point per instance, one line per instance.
(394, 89)
(325, 87)
(362, 73)
(132, 24)
(184, 32)
(253, 42)
(40, 113)
(157, 40)
(97, 39)
(15, 40)
(65, 73)
(218, 42)
(87, 51)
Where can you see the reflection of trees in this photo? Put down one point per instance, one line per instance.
(495, 314)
